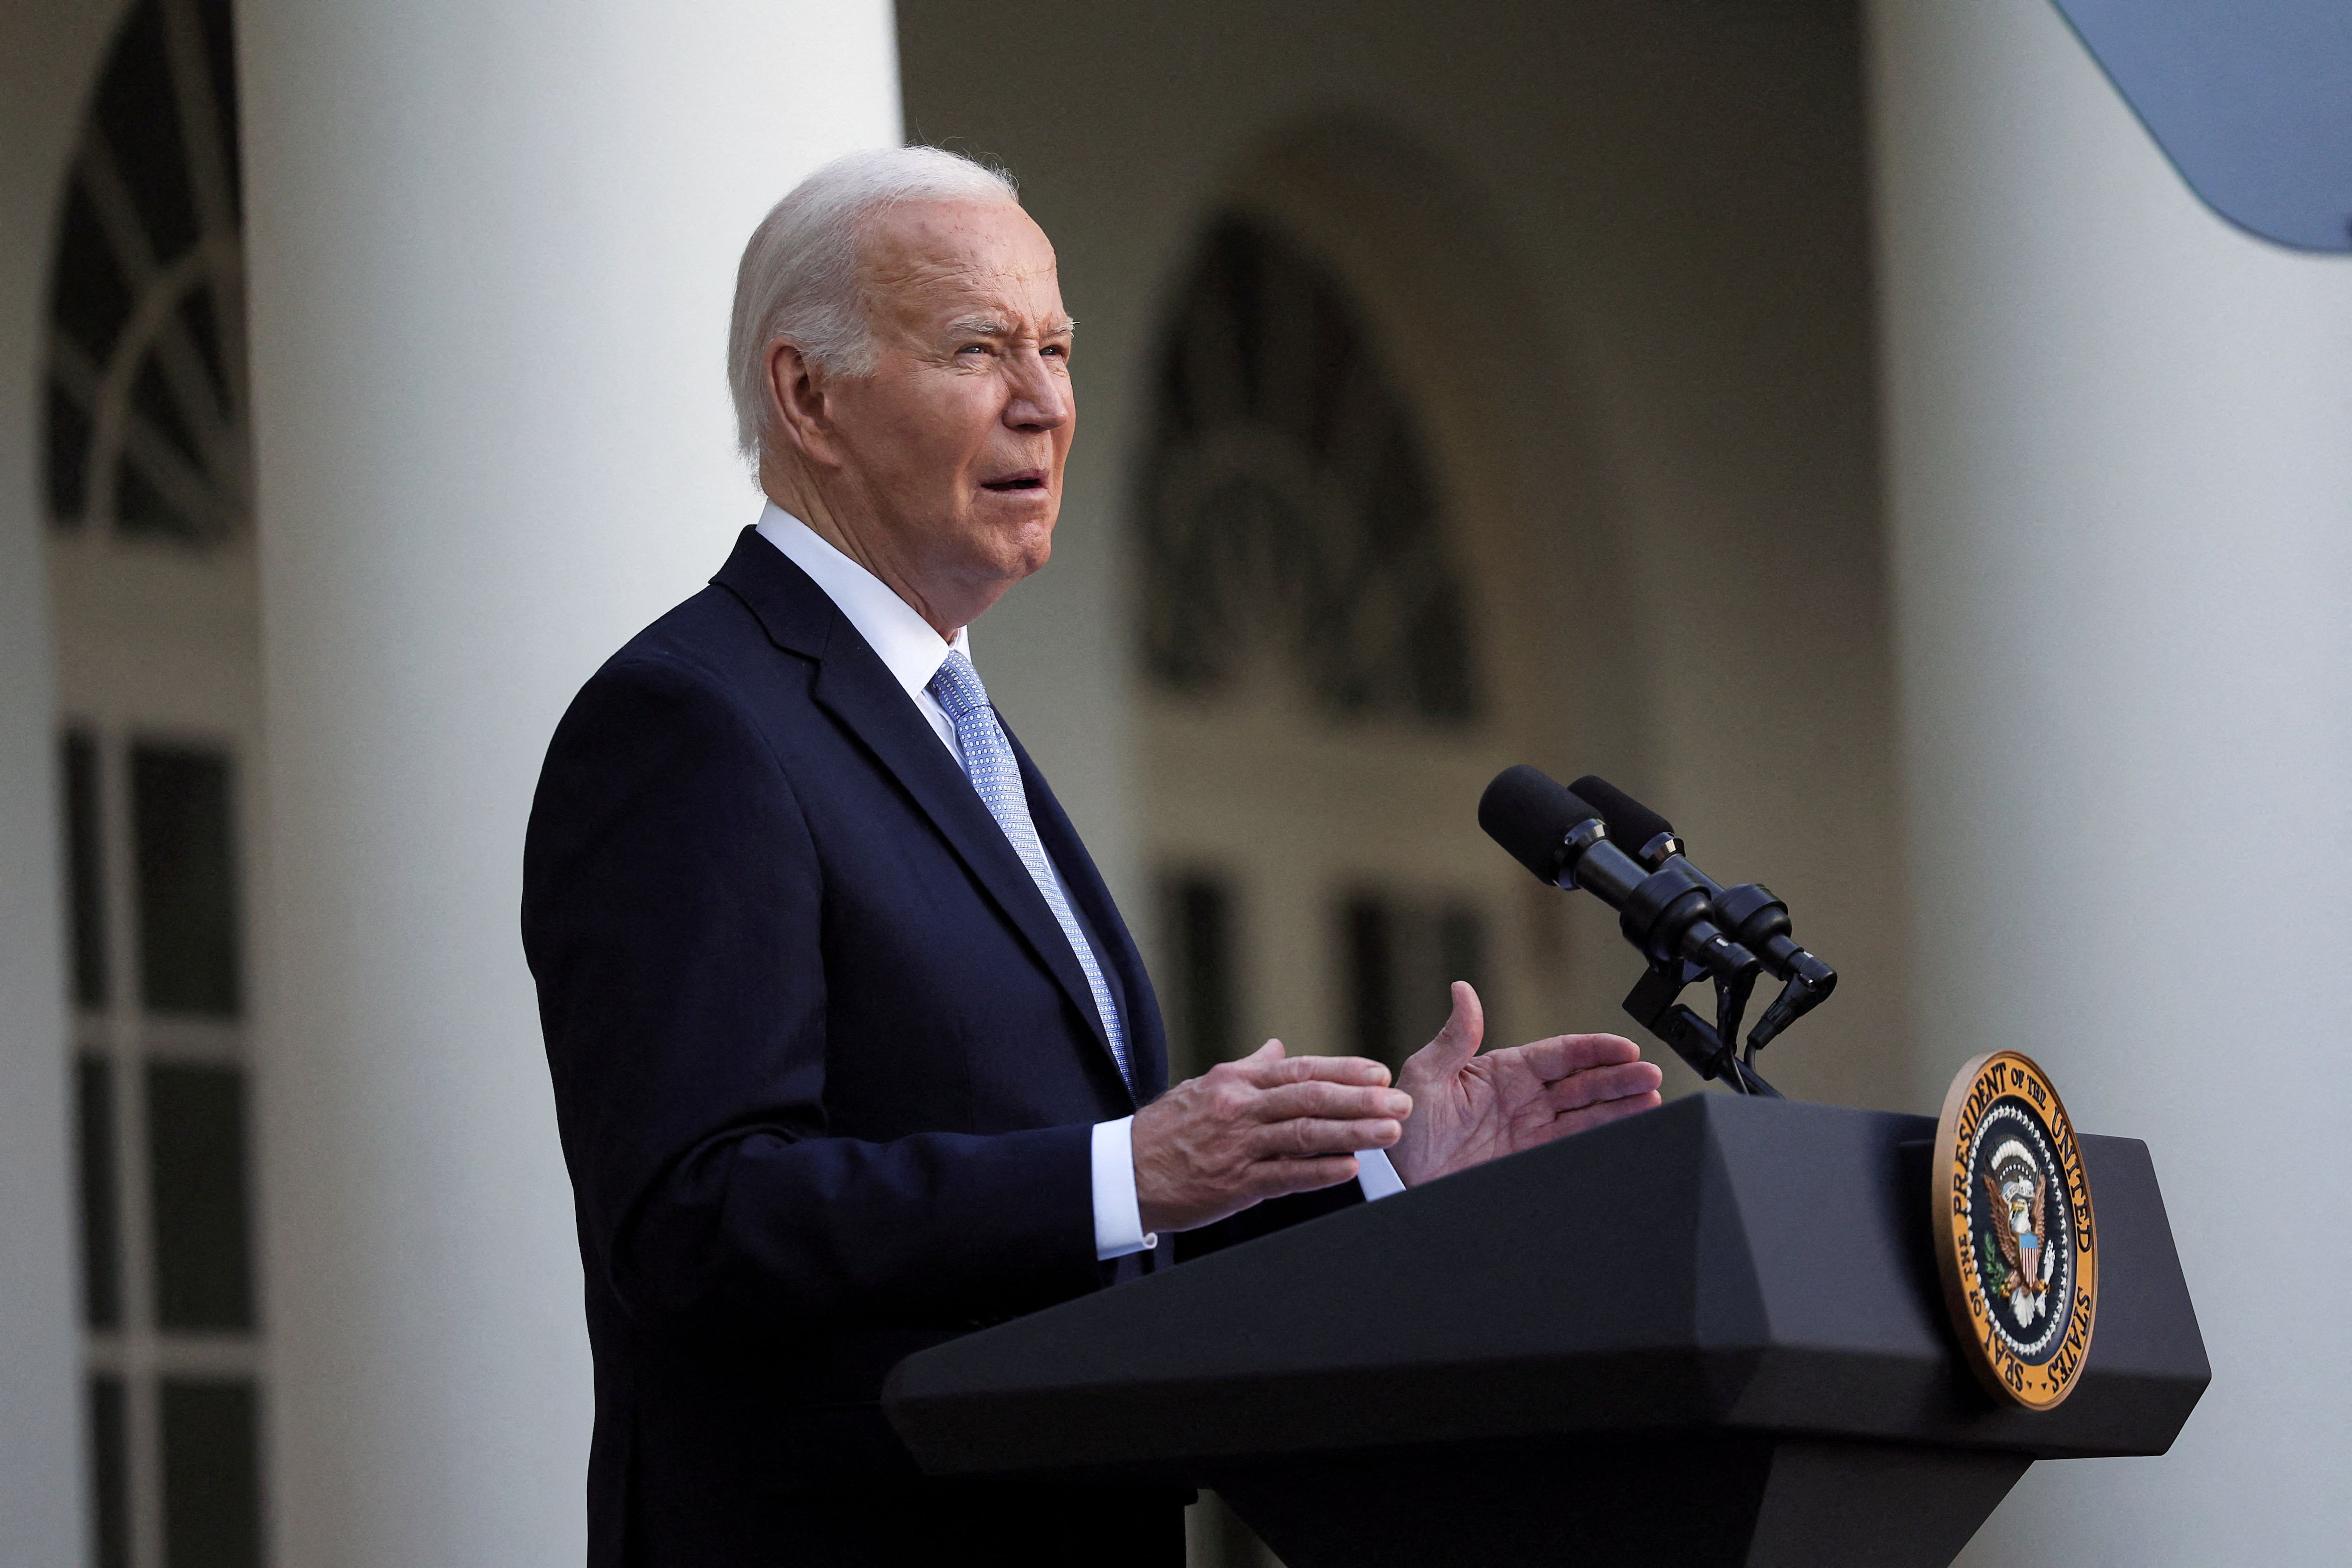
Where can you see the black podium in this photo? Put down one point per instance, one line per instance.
(1711, 1334)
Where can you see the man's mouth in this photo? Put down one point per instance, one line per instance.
(1007, 484)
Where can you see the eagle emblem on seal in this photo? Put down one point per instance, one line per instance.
(2018, 1260)
(2017, 1242)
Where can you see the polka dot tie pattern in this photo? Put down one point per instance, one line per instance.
(988, 762)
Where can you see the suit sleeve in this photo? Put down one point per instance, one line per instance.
(673, 917)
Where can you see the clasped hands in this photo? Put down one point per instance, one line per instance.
(1271, 1124)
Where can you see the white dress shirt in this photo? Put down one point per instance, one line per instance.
(913, 650)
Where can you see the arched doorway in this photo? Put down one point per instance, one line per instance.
(150, 567)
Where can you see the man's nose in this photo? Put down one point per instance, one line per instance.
(1041, 398)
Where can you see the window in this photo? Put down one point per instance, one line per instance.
(1202, 980)
(146, 401)
(187, 907)
(195, 1179)
(146, 448)
(109, 1465)
(101, 1212)
(85, 878)
(1289, 517)
(168, 1290)
(212, 1482)
(1398, 956)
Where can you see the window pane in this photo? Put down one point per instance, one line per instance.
(1368, 959)
(187, 883)
(68, 445)
(85, 870)
(1197, 912)
(102, 1222)
(1287, 506)
(110, 1472)
(1400, 956)
(1462, 955)
(212, 1475)
(195, 1163)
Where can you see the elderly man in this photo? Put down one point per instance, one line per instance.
(852, 1050)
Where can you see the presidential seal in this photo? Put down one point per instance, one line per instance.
(2015, 1240)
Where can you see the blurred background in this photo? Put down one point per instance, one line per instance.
(1835, 423)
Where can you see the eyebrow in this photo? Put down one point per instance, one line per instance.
(990, 327)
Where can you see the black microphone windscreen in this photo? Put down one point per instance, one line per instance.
(1528, 813)
(1631, 823)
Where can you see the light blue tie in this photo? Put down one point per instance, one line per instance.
(988, 760)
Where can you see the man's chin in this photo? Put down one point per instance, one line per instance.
(1020, 534)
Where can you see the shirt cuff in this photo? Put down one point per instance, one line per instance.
(1118, 1218)
(1373, 1174)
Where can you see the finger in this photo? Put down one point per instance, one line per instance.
(1598, 1084)
(1303, 1137)
(1564, 1054)
(1458, 1041)
(1272, 1074)
(1275, 1178)
(1323, 1097)
(1585, 1117)
(1604, 1111)
(1263, 1059)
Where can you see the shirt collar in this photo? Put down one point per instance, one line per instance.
(908, 647)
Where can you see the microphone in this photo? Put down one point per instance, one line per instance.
(1665, 912)
(1750, 912)
(1565, 841)
(1631, 822)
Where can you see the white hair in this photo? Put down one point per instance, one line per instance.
(799, 275)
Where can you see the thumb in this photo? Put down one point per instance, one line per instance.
(1457, 1042)
(1270, 1051)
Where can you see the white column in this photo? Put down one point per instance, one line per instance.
(2120, 439)
(492, 245)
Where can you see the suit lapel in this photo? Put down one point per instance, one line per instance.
(857, 688)
(1147, 1035)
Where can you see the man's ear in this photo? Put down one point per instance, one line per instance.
(798, 406)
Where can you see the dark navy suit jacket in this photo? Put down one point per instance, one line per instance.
(825, 1065)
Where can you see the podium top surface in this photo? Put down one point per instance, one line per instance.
(1719, 1263)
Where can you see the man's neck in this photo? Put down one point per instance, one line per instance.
(825, 522)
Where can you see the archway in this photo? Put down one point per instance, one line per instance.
(1363, 513)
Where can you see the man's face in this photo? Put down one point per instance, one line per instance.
(952, 451)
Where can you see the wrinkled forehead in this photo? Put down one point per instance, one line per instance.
(945, 259)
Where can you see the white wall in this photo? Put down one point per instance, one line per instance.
(2122, 492)
(492, 248)
(50, 52)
